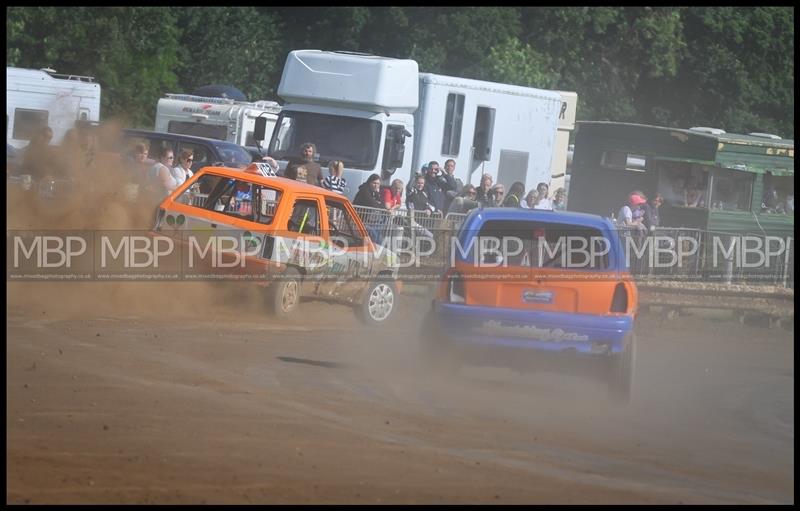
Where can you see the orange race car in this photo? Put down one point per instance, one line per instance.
(293, 238)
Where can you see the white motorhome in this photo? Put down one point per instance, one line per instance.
(38, 98)
(219, 118)
(361, 108)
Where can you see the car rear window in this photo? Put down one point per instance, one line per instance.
(542, 245)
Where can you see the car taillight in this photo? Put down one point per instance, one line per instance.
(619, 303)
(455, 288)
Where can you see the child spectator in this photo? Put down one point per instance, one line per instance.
(334, 180)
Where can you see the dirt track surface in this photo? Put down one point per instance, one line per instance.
(181, 393)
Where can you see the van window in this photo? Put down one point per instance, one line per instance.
(28, 122)
(198, 129)
(484, 132)
(624, 160)
(305, 218)
(453, 117)
(778, 195)
(731, 190)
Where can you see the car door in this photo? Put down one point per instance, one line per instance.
(351, 253)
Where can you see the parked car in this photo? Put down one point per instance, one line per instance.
(529, 304)
(301, 240)
(207, 151)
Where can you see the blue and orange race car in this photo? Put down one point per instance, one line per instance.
(523, 285)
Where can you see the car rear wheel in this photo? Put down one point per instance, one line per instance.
(434, 351)
(284, 296)
(379, 303)
(620, 377)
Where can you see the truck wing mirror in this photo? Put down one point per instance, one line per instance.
(260, 130)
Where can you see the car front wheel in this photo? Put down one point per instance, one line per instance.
(284, 296)
(379, 303)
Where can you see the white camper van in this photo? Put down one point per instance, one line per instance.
(38, 98)
(218, 118)
(361, 109)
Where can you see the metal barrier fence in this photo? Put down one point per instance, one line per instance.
(665, 253)
(712, 256)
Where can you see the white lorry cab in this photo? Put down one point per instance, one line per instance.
(218, 118)
(362, 109)
(39, 98)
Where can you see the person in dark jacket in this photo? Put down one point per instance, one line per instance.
(417, 198)
(435, 184)
(651, 218)
(369, 193)
(514, 198)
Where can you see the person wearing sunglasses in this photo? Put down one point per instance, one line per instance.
(183, 170)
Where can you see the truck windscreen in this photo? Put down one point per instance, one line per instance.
(354, 141)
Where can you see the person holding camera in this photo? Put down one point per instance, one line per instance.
(434, 185)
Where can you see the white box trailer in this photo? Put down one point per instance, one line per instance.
(38, 98)
(361, 109)
(218, 118)
(562, 154)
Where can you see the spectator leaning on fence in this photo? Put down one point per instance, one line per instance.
(650, 218)
(334, 180)
(560, 200)
(369, 193)
(541, 201)
(418, 199)
(514, 197)
(484, 195)
(453, 186)
(392, 196)
(497, 194)
(434, 185)
(465, 201)
(626, 218)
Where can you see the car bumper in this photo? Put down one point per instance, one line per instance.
(472, 326)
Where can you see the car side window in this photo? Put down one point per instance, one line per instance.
(305, 218)
(343, 228)
(266, 202)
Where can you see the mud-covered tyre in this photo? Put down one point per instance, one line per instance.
(380, 302)
(284, 294)
(621, 371)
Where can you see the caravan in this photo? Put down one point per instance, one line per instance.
(361, 109)
(212, 117)
(38, 98)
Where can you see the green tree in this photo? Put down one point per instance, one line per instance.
(518, 64)
(131, 51)
(232, 46)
